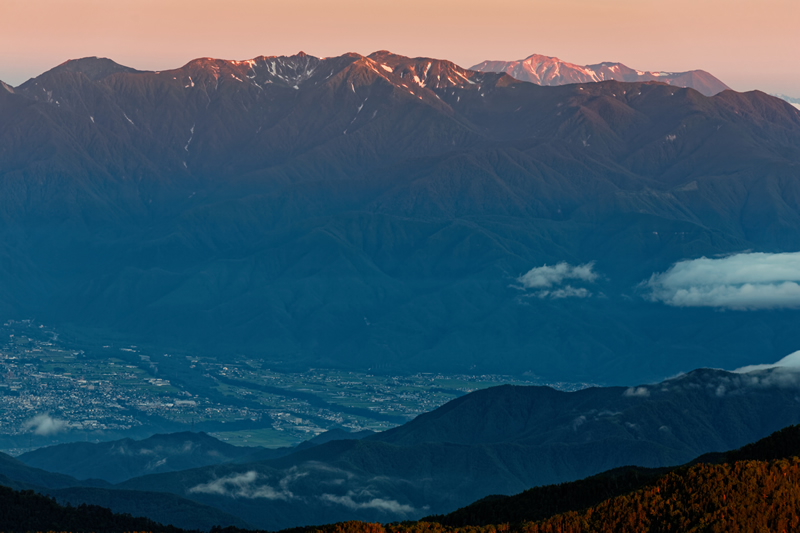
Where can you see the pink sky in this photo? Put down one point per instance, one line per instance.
(748, 44)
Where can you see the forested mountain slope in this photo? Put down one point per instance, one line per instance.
(377, 213)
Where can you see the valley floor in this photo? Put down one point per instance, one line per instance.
(55, 390)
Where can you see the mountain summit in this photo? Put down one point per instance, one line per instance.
(94, 68)
(545, 70)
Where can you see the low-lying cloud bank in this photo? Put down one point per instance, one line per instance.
(791, 361)
(389, 506)
(549, 278)
(745, 281)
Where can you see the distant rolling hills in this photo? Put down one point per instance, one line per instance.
(119, 460)
(377, 212)
(496, 441)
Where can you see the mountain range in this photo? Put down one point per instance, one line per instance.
(544, 70)
(378, 212)
(501, 440)
(119, 460)
(754, 487)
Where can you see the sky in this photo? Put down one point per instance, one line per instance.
(748, 44)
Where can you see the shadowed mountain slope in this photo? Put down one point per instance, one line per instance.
(730, 486)
(543, 502)
(18, 471)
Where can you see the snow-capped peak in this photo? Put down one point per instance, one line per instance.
(545, 70)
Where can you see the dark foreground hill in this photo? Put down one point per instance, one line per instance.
(496, 441)
(24, 511)
(376, 212)
(119, 460)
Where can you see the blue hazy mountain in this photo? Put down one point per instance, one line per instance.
(376, 213)
(119, 460)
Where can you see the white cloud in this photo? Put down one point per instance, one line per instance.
(244, 486)
(390, 506)
(741, 282)
(45, 425)
(548, 276)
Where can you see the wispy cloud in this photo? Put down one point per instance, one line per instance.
(45, 425)
(389, 506)
(740, 282)
(244, 485)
